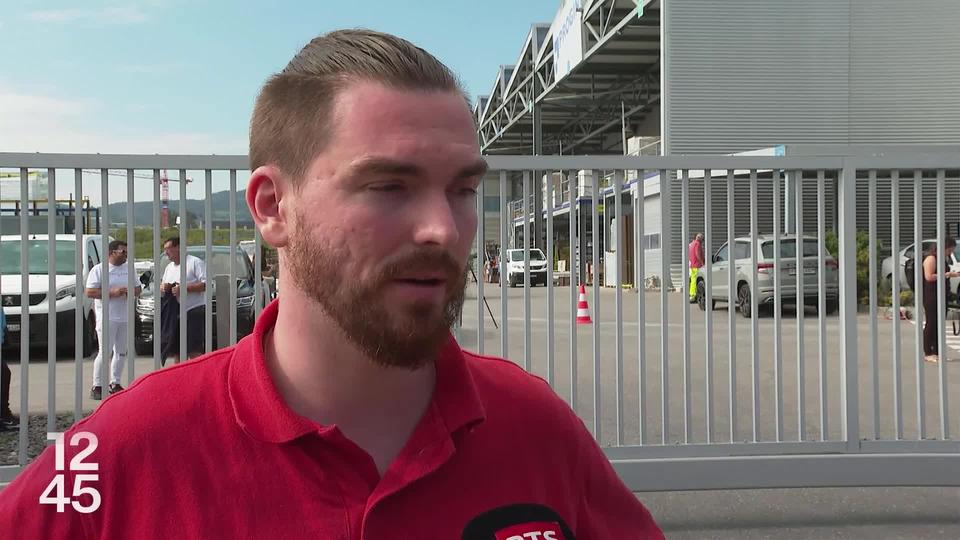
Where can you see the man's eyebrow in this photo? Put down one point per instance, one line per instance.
(477, 168)
(374, 166)
(386, 166)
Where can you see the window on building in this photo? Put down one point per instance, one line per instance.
(491, 203)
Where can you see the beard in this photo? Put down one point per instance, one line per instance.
(406, 336)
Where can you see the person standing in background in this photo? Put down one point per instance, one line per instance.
(931, 308)
(117, 311)
(696, 263)
(7, 419)
(191, 295)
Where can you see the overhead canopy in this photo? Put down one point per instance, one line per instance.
(597, 61)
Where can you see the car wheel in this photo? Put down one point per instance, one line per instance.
(701, 296)
(832, 306)
(744, 301)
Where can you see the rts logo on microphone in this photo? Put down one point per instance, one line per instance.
(531, 531)
(522, 521)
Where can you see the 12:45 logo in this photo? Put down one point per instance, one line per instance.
(55, 493)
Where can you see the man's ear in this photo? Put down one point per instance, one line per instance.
(265, 192)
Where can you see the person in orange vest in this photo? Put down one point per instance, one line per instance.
(696, 263)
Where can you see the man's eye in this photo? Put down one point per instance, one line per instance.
(386, 188)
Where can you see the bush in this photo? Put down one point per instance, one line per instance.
(862, 263)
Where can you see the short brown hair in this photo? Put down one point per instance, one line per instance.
(291, 117)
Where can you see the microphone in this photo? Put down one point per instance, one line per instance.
(518, 522)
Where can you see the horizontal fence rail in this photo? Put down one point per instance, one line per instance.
(784, 350)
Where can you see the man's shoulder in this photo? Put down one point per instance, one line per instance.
(502, 384)
(164, 404)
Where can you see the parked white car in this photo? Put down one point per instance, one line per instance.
(759, 281)
(66, 303)
(538, 268)
(887, 267)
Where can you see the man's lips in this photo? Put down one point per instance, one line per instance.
(424, 280)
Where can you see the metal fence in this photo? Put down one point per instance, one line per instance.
(691, 415)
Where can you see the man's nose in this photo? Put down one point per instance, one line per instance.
(436, 222)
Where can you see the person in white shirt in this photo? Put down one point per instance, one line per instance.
(192, 295)
(116, 310)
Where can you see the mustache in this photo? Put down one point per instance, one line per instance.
(428, 260)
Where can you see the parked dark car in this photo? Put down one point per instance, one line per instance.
(220, 265)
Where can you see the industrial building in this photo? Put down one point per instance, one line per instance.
(696, 77)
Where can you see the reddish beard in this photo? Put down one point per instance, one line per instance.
(405, 336)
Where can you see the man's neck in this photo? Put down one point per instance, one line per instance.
(324, 377)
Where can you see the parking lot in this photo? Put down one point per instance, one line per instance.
(604, 321)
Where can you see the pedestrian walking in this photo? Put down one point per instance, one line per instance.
(696, 263)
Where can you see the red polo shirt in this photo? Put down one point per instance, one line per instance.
(209, 449)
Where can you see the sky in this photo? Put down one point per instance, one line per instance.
(180, 76)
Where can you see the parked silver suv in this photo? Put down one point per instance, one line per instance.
(764, 272)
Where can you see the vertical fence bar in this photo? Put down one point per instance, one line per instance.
(80, 293)
(918, 299)
(573, 184)
(52, 300)
(708, 295)
(595, 283)
(527, 215)
(481, 261)
(132, 283)
(258, 273)
(551, 336)
(752, 292)
(847, 192)
(208, 253)
(183, 265)
(685, 266)
(777, 307)
(874, 353)
(232, 339)
(665, 311)
(822, 302)
(801, 271)
(641, 306)
(895, 242)
(731, 304)
(24, 316)
(106, 341)
(157, 273)
(506, 220)
(941, 309)
(618, 177)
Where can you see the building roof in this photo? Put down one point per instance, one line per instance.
(581, 109)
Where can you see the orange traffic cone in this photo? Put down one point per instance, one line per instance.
(583, 310)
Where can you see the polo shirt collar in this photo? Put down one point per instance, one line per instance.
(260, 410)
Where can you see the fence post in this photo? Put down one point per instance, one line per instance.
(848, 305)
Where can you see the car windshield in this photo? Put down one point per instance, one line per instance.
(37, 261)
(788, 249)
(535, 255)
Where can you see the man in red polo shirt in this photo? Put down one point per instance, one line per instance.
(350, 412)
